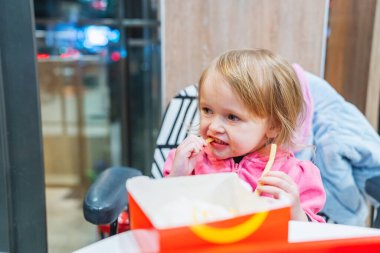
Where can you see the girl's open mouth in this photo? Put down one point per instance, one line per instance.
(217, 141)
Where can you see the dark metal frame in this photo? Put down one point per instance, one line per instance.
(22, 187)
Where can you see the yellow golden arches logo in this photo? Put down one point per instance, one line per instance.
(231, 234)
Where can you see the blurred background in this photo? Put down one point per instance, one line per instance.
(107, 69)
(99, 71)
(98, 65)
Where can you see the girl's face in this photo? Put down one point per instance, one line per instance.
(228, 121)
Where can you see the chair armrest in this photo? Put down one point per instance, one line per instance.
(372, 187)
(107, 196)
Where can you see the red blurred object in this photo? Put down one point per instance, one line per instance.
(115, 56)
(70, 53)
(122, 225)
(99, 5)
(43, 56)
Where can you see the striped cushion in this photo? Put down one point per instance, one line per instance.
(180, 118)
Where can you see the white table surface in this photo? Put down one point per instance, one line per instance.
(298, 232)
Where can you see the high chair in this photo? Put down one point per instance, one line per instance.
(347, 151)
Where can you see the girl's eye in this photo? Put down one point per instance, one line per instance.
(206, 110)
(233, 117)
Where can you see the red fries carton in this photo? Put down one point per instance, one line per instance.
(204, 211)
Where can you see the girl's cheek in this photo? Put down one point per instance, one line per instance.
(203, 130)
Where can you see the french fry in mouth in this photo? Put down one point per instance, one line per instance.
(209, 140)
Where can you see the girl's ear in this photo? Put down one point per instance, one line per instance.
(272, 131)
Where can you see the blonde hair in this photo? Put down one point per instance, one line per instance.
(267, 84)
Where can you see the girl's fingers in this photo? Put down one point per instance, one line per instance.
(191, 145)
(280, 174)
(201, 141)
(193, 149)
(274, 181)
(280, 180)
(282, 187)
(271, 190)
(192, 139)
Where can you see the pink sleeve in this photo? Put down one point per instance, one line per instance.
(312, 193)
(168, 163)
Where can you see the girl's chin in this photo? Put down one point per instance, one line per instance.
(220, 156)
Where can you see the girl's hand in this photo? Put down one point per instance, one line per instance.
(281, 186)
(186, 155)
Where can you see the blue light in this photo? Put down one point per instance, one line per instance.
(96, 36)
(123, 53)
(114, 36)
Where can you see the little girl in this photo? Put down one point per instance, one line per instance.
(249, 99)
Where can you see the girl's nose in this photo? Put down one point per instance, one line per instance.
(216, 125)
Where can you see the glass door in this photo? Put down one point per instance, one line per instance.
(100, 94)
(99, 72)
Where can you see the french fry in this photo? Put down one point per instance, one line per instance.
(209, 140)
(268, 166)
(272, 154)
